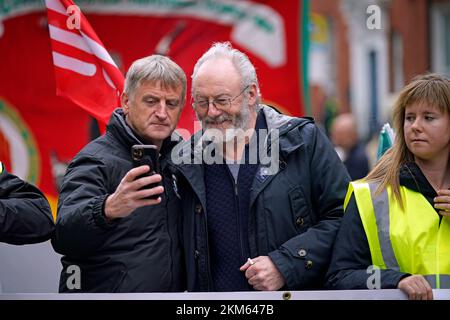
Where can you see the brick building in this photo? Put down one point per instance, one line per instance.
(364, 51)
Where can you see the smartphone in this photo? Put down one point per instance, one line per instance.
(146, 155)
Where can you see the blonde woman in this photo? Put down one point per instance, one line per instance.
(396, 227)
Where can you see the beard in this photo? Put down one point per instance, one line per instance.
(239, 124)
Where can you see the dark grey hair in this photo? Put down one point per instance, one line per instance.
(239, 59)
(155, 68)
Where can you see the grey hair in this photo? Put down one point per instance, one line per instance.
(155, 68)
(239, 59)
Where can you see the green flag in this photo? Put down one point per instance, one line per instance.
(385, 140)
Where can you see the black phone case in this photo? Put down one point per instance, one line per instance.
(146, 155)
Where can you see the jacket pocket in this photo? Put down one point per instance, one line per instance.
(301, 211)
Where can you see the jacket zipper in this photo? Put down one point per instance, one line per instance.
(170, 240)
(238, 216)
(167, 226)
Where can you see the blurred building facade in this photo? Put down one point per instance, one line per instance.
(363, 52)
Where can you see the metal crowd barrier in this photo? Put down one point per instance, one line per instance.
(31, 272)
(394, 294)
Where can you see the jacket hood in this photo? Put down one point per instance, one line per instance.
(289, 140)
(276, 120)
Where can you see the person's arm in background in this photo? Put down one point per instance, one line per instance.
(25, 215)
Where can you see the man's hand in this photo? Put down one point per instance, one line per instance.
(442, 202)
(416, 287)
(128, 197)
(263, 274)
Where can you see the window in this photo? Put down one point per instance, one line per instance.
(397, 62)
(447, 39)
(440, 38)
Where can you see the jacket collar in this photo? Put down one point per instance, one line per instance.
(289, 139)
(274, 119)
(413, 178)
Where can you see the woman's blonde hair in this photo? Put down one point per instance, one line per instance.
(432, 89)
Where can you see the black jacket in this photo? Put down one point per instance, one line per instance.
(357, 163)
(25, 215)
(139, 253)
(351, 253)
(294, 214)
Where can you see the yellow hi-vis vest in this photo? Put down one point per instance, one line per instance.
(409, 240)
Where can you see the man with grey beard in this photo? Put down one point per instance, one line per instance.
(262, 192)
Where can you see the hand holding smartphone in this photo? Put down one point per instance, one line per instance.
(146, 155)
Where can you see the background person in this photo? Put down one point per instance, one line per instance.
(344, 135)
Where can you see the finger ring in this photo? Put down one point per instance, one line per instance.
(251, 261)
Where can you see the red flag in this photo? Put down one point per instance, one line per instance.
(40, 132)
(85, 72)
